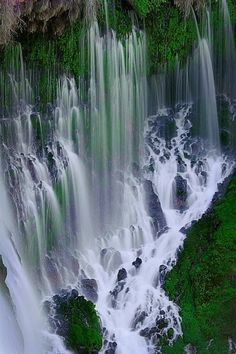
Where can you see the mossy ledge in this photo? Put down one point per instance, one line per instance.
(203, 283)
(75, 319)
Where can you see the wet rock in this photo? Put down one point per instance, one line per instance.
(31, 168)
(144, 332)
(137, 263)
(204, 176)
(148, 332)
(162, 231)
(199, 167)
(162, 323)
(154, 207)
(139, 318)
(190, 349)
(167, 154)
(132, 228)
(162, 273)
(115, 292)
(181, 165)
(122, 274)
(187, 124)
(74, 294)
(111, 348)
(181, 192)
(3, 271)
(89, 289)
(162, 159)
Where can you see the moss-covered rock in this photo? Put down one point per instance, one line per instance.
(203, 283)
(75, 319)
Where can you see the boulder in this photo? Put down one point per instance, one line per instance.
(137, 263)
(89, 289)
(154, 207)
(180, 192)
(74, 318)
(122, 274)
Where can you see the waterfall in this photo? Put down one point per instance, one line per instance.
(225, 58)
(104, 184)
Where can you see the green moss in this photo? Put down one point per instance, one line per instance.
(145, 7)
(83, 330)
(169, 36)
(203, 282)
(227, 124)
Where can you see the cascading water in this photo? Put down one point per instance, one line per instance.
(109, 192)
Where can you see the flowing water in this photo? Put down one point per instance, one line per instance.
(104, 185)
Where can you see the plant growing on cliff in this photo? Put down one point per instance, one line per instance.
(203, 282)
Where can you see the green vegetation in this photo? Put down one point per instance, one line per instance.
(227, 124)
(203, 282)
(170, 35)
(82, 328)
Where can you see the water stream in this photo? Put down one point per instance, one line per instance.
(109, 192)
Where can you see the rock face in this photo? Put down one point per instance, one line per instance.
(154, 208)
(181, 192)
(37, 15)
(75, 319)
(89, 289)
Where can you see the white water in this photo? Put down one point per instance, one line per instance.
(142, 292)
(82, 204)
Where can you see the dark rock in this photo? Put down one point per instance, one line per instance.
(162, 323)
(149, 332)
(3, 271)
(74, 294)
(89, 289)
(144, 332)
(204, 175)
(137, 263)
(181, 192)
(111, 348)
(181, 165)
(154, 207)
(115, 292)
(31, 168)
(162, 231)
(139, 318)
(162, 273)
(122, 274)
(162, 159)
